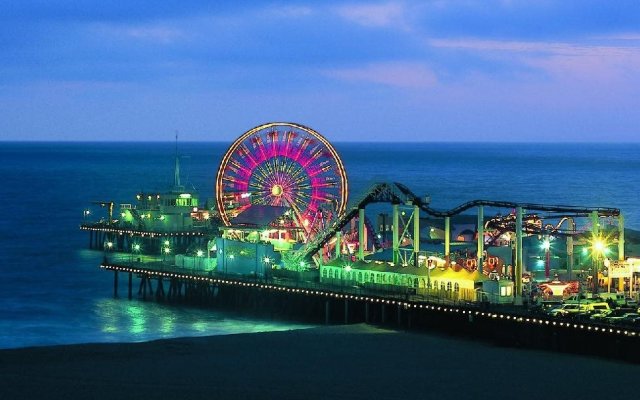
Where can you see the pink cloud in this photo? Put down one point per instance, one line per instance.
(563, 61)
(401, 75)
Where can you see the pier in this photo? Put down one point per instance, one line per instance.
(282, 240)
(315, 303)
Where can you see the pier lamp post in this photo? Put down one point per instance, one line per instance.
(200, 254)
(347, 270)
(231, 258)
(106, 247)
(165, 253)
(266, 262)
(546, 245)
(303, 266)
(598, 249)
(135, 250)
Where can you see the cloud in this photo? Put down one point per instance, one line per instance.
(562, 60)
(150, 33)
(399, 75)
(289, 11)
(374, 15)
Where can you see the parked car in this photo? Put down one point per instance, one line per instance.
(621, 318)
(566, 310)
(601, 316)
(581, 299)
(630, 319)
(545, 306)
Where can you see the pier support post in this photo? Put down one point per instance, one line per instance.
(326, 312)
(480, 243)
(518, 266)
(115, 283)
(143, 287)
(399, 315)
(346, 311)
(338, 245)
(383, 317)
(130, 285)
(366, 312)
(361, 234)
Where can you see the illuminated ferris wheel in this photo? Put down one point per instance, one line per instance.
(281, 164)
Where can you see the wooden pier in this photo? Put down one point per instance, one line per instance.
(311, 302)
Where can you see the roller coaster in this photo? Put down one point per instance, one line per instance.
(398, 193)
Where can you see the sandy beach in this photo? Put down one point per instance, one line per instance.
(335, 362)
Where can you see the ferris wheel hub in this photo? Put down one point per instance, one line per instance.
(277, 190)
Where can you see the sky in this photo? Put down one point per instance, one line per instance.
(459, 70)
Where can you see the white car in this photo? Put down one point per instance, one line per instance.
(566, 310)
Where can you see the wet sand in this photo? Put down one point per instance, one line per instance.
(336, 362)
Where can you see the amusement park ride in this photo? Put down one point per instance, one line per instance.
(282, 203)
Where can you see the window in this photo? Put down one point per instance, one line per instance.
(442, 287)
(456, 287)
(506, 291)
(435, 284)
(448, 286)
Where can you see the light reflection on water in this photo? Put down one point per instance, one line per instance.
(136, 321)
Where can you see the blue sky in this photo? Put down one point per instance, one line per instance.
(486, 70)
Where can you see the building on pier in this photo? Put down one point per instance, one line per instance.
(155, 223)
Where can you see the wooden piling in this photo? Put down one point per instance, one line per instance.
(130, 285)
(115, 283)
(326, 312)
(346, 311)
(366, 312)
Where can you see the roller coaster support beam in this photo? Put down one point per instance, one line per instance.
(518, 266)
(416, 234)
(570, 259)
(396, 231)
(595, 232)
(621, 249)
(447, 240)
(480, 252)
(361, 234)
(338, 247)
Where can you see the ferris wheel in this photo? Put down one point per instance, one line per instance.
(281, 164)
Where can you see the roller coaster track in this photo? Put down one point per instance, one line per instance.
(397, 193)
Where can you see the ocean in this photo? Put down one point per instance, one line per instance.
(52, 291)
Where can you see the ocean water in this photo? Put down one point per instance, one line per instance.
(52, 291)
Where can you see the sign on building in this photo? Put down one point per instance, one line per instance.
(619, 269)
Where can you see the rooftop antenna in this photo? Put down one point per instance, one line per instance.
(176, 179)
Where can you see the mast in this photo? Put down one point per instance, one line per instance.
(176, 178)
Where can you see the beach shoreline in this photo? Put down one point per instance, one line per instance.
(332, 362)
